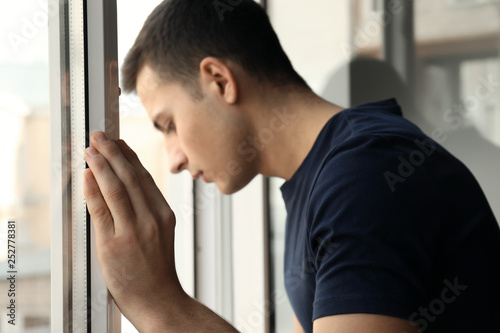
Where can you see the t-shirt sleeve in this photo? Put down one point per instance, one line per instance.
(372, 243)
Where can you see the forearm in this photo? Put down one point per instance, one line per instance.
(184, 315)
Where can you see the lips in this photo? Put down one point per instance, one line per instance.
(200, 174)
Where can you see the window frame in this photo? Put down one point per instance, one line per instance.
(84, 71)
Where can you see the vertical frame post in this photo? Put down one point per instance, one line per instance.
(103, 115)
(399, 42)
(213, 258)
(251, 258)
(61, 277)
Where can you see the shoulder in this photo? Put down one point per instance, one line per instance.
(358, 167)
(378, 161)
(353, 191)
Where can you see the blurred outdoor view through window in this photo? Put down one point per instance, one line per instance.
(25, 162)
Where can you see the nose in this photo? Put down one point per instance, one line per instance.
(178, 161)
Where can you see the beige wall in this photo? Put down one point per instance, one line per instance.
(312, 33)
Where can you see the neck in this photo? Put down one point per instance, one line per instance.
(286, 127)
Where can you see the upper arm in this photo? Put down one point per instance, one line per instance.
(361, 322)
(371, 250)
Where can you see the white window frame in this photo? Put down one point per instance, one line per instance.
(77, 304)
(231, 237)
(251, 258)
(213, 259)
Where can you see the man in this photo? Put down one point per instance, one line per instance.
(386, 231)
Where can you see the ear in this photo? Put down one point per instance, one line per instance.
(219, 79)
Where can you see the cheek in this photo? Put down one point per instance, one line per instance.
(202, 148)
(212, 142)
(192, 136)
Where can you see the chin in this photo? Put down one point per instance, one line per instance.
(227, 190)
(233, 185)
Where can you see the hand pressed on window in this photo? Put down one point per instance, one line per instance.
(134, 228)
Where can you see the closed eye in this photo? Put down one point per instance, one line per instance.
(170, 127)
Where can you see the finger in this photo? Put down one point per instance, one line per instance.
(124, 171)
(99, 211)
(153, 193)
(112, 190)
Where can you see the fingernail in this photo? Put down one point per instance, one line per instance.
(91, 152)
(101, 137)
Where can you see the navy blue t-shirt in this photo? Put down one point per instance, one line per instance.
(383, 220)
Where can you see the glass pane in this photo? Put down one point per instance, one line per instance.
(137, 130)
(135, 126)
(458, 83)
(25, 167)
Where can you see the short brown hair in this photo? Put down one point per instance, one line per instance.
(178, 34)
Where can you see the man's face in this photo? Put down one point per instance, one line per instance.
(201, 136)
